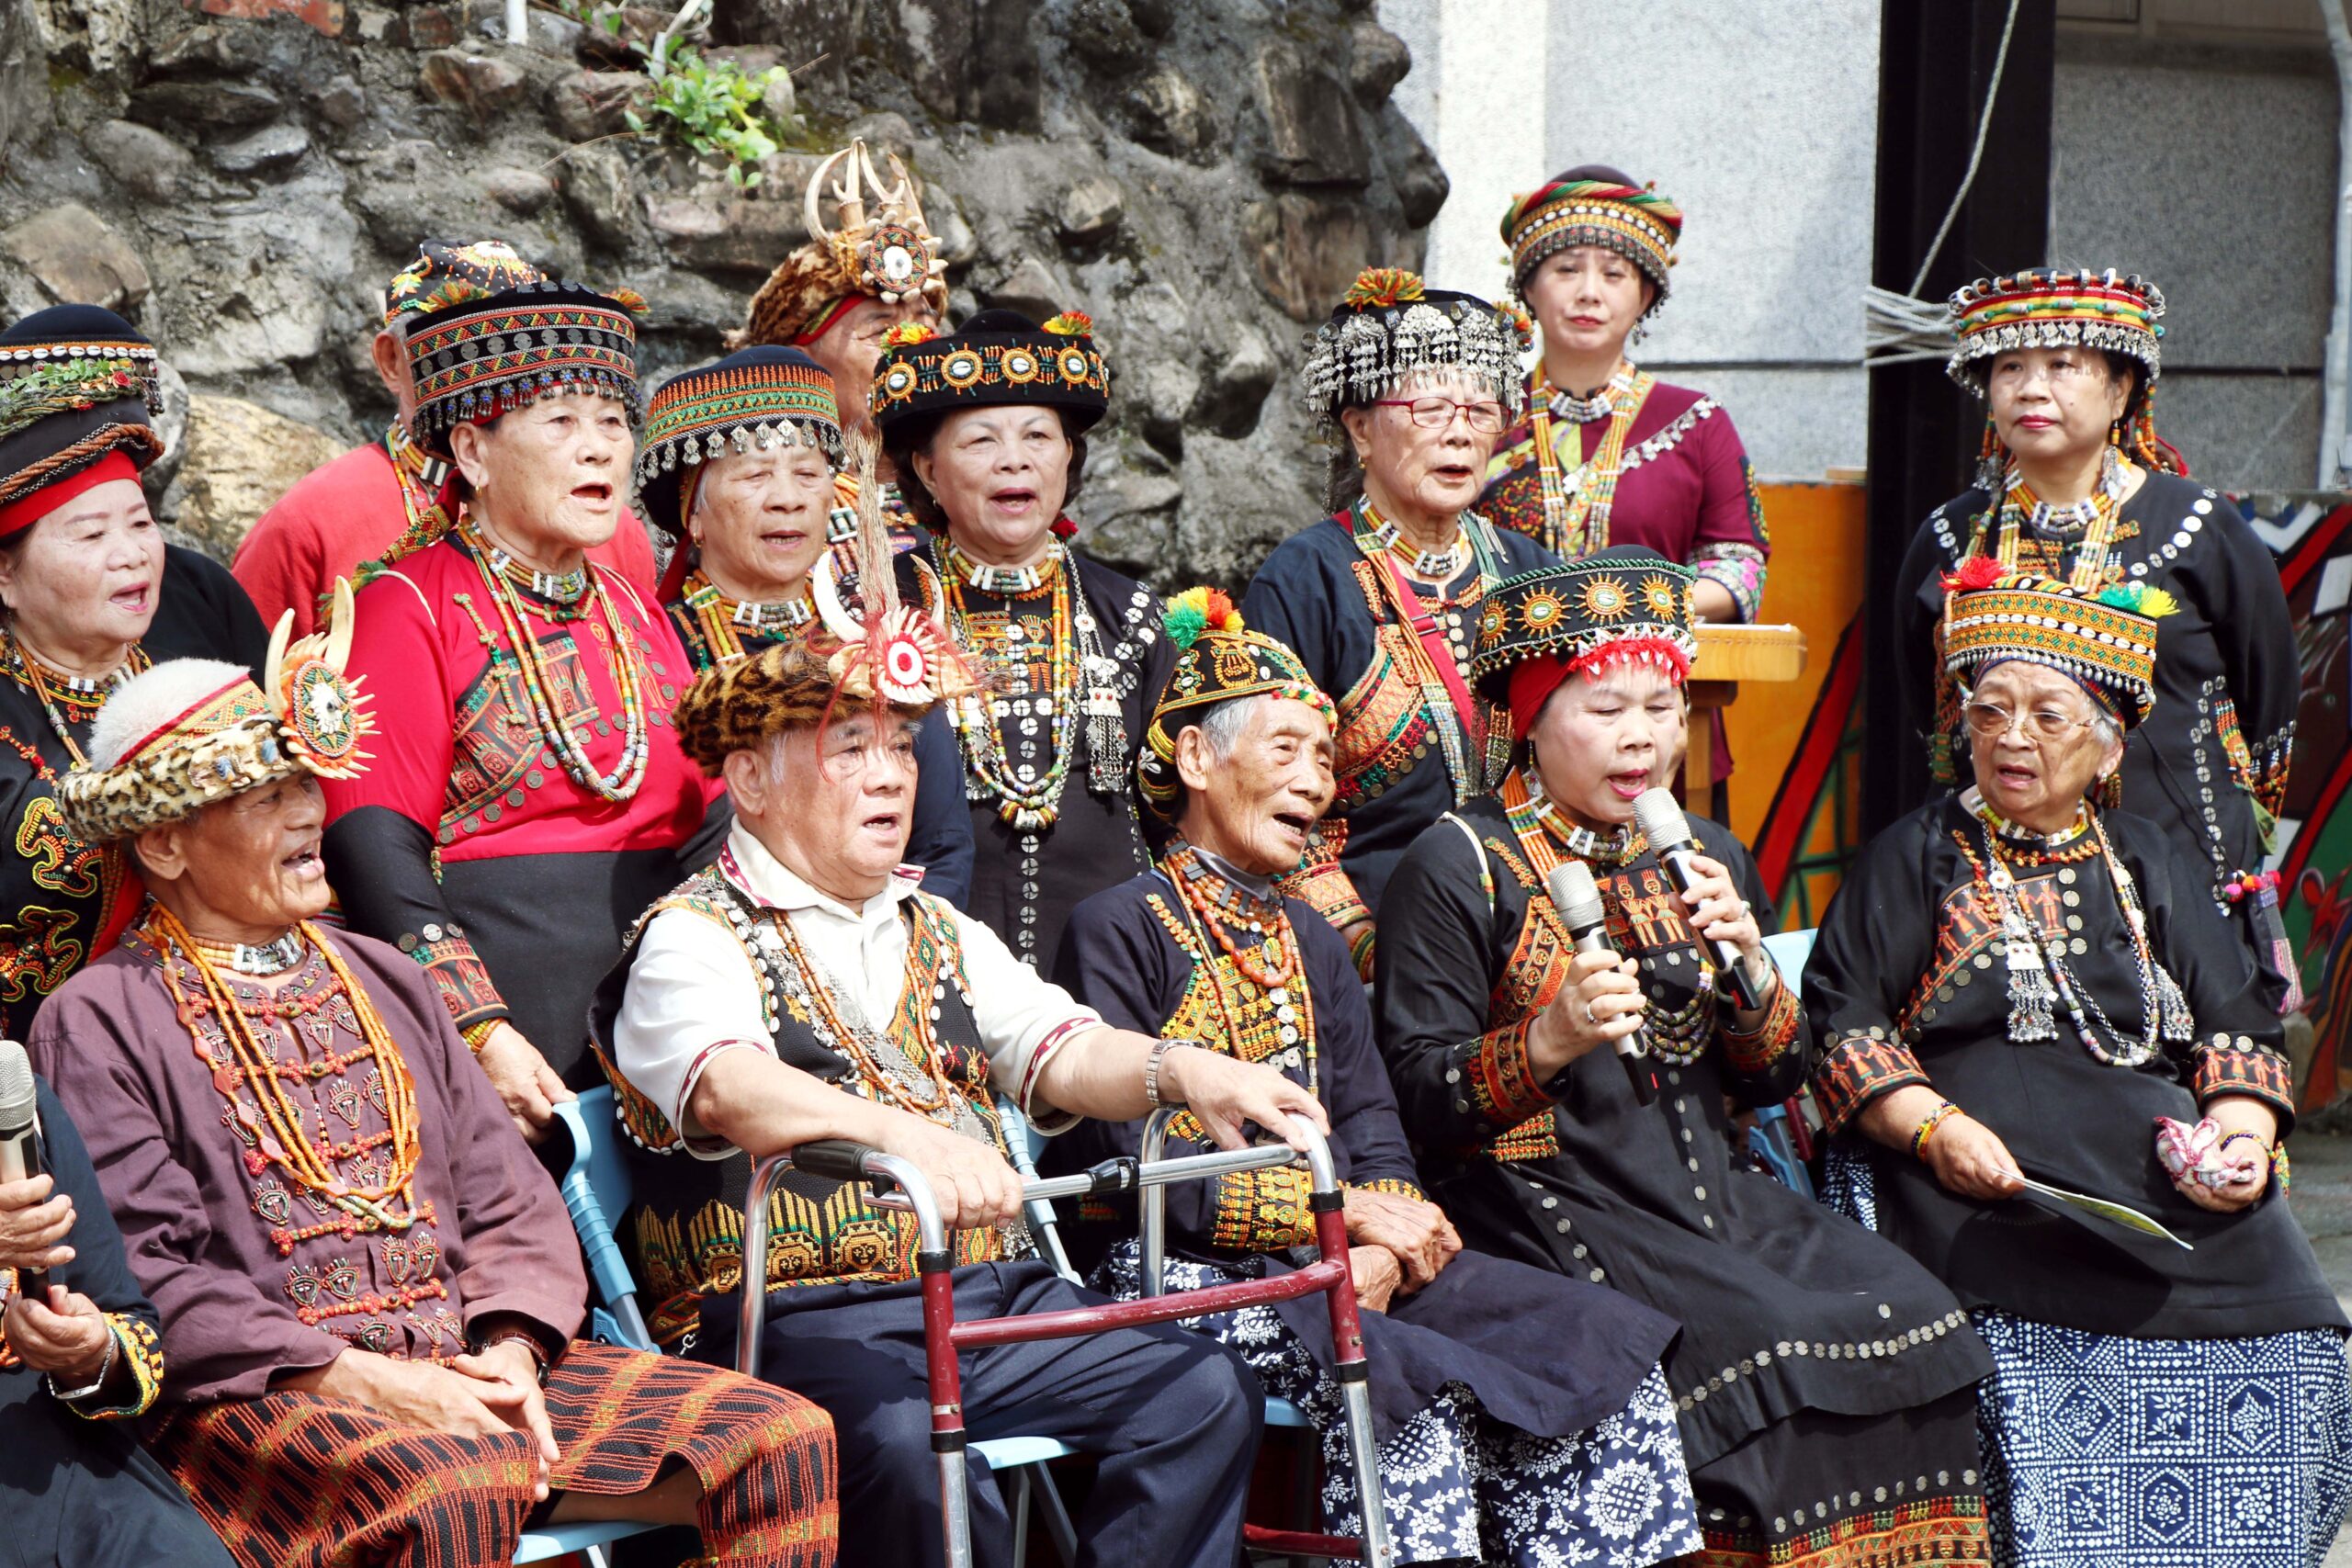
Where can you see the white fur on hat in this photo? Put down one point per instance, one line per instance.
(151, 699)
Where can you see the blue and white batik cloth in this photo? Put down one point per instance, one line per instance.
(1460, 1486)
(2104, 1452)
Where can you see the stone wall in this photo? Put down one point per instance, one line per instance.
(241, 176)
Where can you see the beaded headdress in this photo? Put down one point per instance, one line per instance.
(1218, 660)
(1593, 206)
(756, 398)
(78, 396)
(2049, 307)
(995, 358)
(2106, 639)
(878, 248)
(1625, 606)
(1390, 327)
(484, 355)
(453, 272)
(190, 732)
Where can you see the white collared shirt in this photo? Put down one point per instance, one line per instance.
(693, 993)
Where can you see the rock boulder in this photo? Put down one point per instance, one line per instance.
(237, 459)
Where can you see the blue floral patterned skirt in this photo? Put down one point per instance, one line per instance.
(1458, 1484)
(2103, 1452)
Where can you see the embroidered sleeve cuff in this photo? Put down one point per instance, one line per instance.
(457, 974)
(141, 1355)
(1262, 1210)
(1857, 1069)
(1757, 1053)
(1740, 569)
(2237, 1064)
(1496, 1083)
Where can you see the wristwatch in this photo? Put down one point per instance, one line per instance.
(1160, 1049)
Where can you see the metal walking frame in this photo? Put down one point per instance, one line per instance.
(898, 1184)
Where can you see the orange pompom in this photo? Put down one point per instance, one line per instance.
(1384, 287)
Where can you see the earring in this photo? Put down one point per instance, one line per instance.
(2111, 790)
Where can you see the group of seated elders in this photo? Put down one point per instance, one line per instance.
(1521, 1417)
(1823, 1381)
(2014, 983)
(368, 1289)
(534, 800)
(802, 987)
(743, 468)
(94, 596)
(387, 498)
(1380, 600)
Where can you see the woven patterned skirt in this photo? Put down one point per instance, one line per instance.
(2104, 1452)
(1458, 1484)
(294, 1481)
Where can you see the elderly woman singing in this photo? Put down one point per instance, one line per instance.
(2015, 983)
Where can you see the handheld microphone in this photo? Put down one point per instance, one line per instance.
(1578, 899)
(20, 1142)
(1668, 832)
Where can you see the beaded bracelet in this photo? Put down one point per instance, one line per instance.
(1360, 950)
(2233, 1137)
(1927, 1128)
(476, 1035)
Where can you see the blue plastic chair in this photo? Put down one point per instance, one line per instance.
(1771, 1139)
(596, 1187)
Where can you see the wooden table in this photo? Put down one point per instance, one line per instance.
(1727, 656)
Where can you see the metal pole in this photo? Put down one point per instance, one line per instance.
(752, 1309)
(518, 22)
(1154, 1205)
(2333, 419)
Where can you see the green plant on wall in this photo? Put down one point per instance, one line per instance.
(714, 108)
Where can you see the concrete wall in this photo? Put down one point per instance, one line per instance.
(2210, 170)
(1761, 121)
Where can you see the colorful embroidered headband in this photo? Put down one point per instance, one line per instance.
(1633, 221)
(2045, 309)
(1626, 604)
(1218, 660)
(188, 733)
(486, 358)
(1390, 327)
(2106, 642)
(995, 358)
(78, 386)
(756, 398)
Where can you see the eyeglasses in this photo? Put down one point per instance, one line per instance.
(1991, 721)
(1436, 413)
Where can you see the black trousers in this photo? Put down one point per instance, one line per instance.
(81, 1494)
(1174, 1418)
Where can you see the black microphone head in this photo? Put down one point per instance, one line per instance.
(17, 1099)
(1662, 821)
(1574, 895)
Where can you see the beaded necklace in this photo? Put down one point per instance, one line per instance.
(2039, 974)
(1005, 581)
(890, 1065)
(282, 1140)
(274, 956)
(724, 620)
(1470, 759)
(2024, 845)
(2094, 519)
(1276, 971)
(1532, 814)
(421, 475)
(539, 686)
(1440, 566)
(1030, 801)
(64, 698)
(1577, 505)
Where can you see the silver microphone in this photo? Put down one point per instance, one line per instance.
(20, 1141)
(1577, 898)
(1668, 832)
